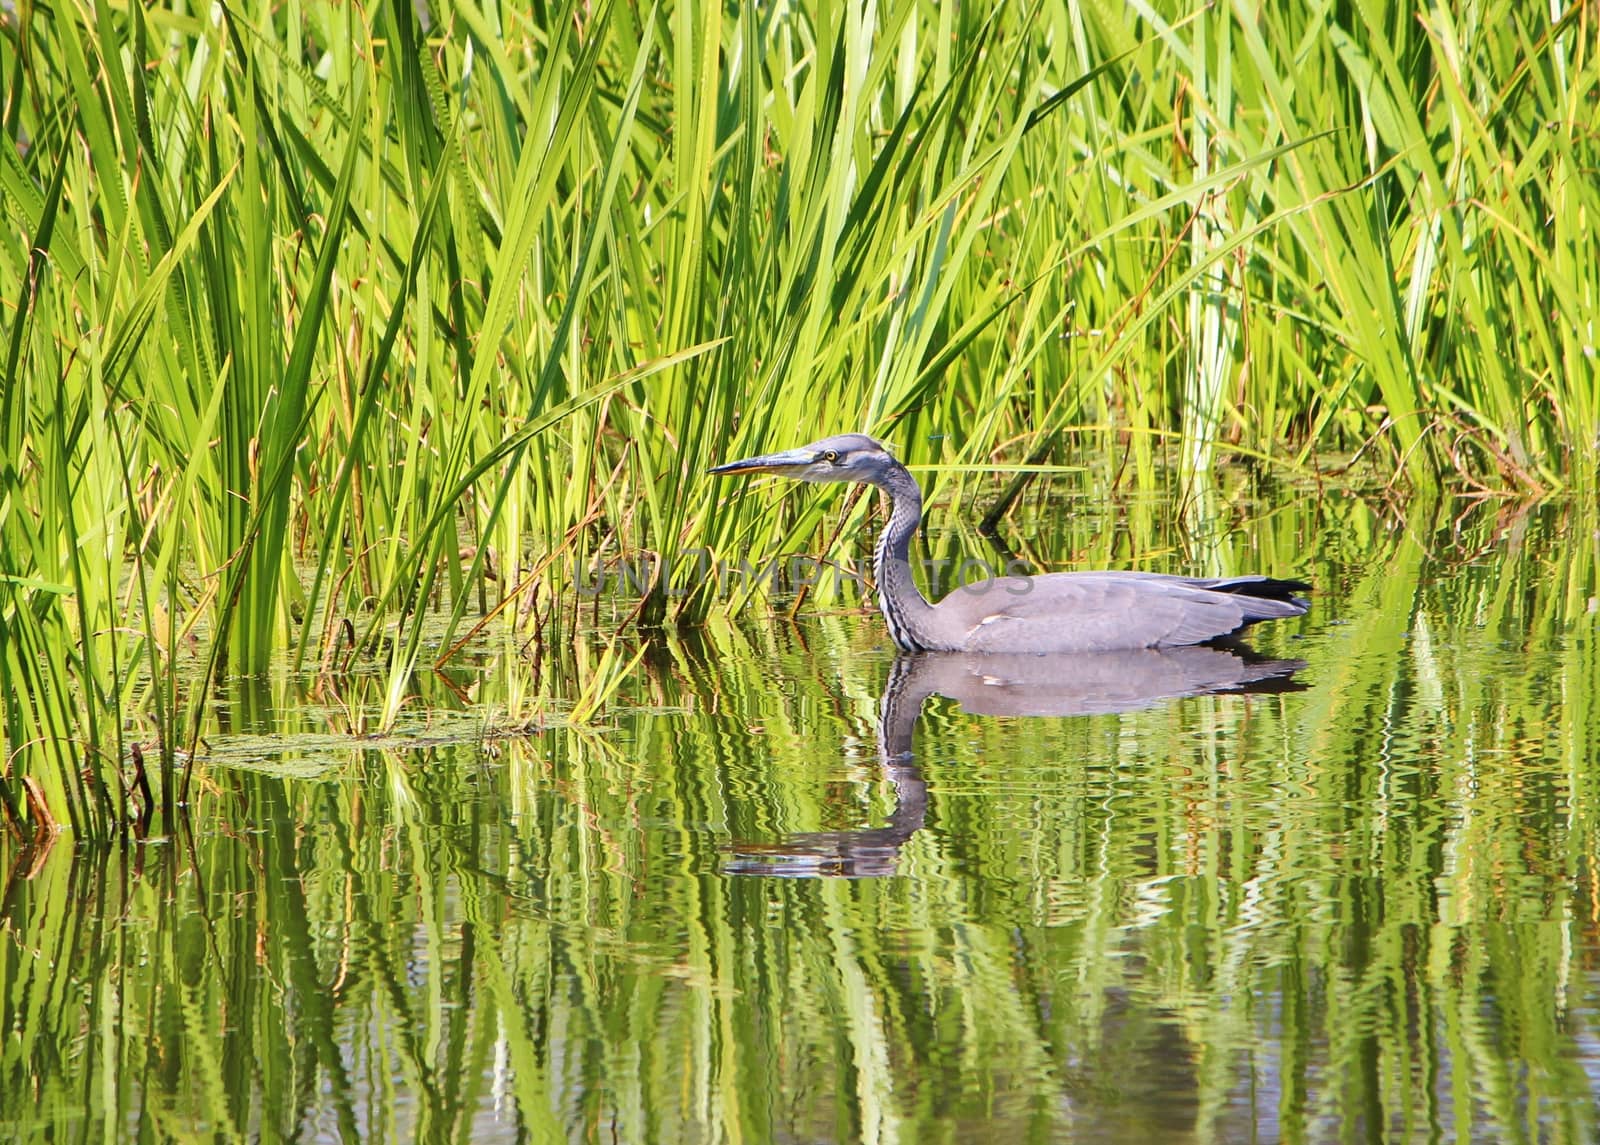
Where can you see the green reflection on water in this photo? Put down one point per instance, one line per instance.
(1366, 908)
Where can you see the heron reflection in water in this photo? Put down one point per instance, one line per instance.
(1053, 613)
(1099, 683)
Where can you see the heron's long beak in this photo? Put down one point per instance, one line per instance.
(781, 463)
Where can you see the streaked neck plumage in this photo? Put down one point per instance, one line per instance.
(905, 609)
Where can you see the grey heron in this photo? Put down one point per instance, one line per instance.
(1052, 613)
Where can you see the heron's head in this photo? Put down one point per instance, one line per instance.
(847, 457)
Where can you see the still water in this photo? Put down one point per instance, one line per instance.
(795, 888)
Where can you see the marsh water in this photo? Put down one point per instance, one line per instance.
(791, 887)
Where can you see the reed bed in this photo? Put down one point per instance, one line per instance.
(331, 330)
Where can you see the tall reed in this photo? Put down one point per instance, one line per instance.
(320, 317)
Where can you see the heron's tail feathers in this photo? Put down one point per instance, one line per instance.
(1265, 588)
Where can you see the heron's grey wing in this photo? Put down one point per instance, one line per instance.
(1098, 612)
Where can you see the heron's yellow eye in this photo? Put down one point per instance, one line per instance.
(830, 455)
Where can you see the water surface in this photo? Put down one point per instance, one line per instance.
(1357, 901)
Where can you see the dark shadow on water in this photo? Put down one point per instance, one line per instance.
(1103, 683)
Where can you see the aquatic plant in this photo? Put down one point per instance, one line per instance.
(329, 328)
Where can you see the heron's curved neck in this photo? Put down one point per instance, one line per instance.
(905, 609)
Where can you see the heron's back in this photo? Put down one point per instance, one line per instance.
(1107, 611)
